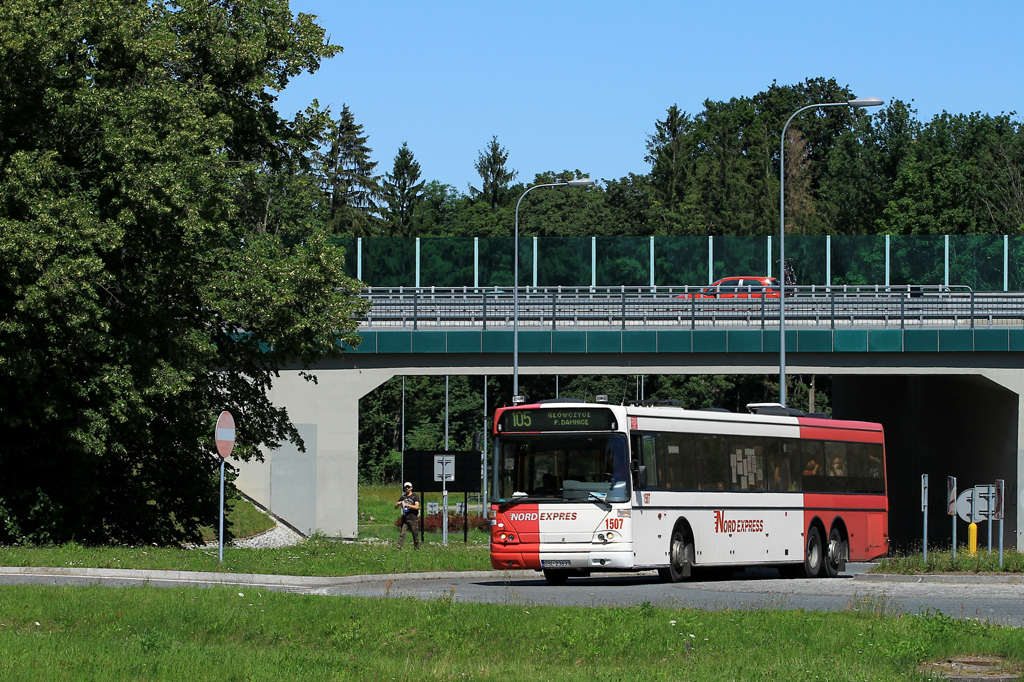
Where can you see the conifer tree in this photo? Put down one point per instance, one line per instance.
(347, 174)
(494, 175)
(403, 192)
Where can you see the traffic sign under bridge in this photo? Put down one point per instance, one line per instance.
(974, 499)
(423, 469)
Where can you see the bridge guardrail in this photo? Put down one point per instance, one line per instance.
(915, 306)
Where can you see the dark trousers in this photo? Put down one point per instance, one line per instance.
(409, 523)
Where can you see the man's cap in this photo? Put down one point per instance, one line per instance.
(407, 485)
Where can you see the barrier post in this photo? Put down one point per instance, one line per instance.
(972, 530)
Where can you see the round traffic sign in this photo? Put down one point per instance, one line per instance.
(225, 434)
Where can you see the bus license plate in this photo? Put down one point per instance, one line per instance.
(556, 563)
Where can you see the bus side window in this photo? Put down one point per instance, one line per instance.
(837, 471)
(712, 463)
(648, 459)
(813, 477)
(783, 464)
(746, 463)
(675, 457)
(875, 470)
(865, 460)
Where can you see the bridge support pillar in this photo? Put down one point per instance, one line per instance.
(1013, 380)
(316, 489)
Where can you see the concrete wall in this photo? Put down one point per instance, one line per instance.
(315, 490)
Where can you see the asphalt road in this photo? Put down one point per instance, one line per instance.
(995, 599)
(999, 602)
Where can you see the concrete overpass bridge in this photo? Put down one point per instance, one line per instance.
(942, 369)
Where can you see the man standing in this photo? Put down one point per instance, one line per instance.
(409, 503)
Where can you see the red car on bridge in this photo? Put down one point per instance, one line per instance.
(739, 287)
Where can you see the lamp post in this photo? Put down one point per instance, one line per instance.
(579, 182)
(860, 102)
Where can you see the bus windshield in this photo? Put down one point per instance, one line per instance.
(562, 466)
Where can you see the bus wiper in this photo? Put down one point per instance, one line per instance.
(599, 499)
(505, 504)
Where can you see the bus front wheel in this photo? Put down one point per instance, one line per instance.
(814, 558)
(680, 558)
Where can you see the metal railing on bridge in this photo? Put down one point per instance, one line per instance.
(835, 307)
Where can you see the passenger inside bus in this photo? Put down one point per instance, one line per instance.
(812, 468)
(549, 485)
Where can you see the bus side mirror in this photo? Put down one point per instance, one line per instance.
(640, 475)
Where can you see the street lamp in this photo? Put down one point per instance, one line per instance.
(579, 182)
(860, 102)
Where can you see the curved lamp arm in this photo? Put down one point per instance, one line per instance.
(579, 182)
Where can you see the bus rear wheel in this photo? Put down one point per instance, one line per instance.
(834, 554)
(680, 558)
(556, 576)
(814, 557)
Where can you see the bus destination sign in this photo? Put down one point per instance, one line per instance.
(558, 419)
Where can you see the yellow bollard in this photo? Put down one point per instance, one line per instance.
(972, 538)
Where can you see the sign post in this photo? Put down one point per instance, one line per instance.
(224, 437)
(444, 471)
(991, 496)
(951, 506)
(924, 508)
(998, 509)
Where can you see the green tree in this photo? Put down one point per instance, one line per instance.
(495, 176)
(672, 155)
(863, 166)
(142, 292)
(347, 174)
(402, 192)
(941, 188)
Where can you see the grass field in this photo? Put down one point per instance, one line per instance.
(96, 633)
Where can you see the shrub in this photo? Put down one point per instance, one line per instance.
(432, 523)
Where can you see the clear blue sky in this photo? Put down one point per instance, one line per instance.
(580, 85)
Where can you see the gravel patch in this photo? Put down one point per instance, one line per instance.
(278, 536)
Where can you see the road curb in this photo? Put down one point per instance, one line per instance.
(246, 579)
(949, 579)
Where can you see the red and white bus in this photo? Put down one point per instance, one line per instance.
(586, 487)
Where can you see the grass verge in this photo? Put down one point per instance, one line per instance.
(316, 555)
(941, 561)
(96, 633)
